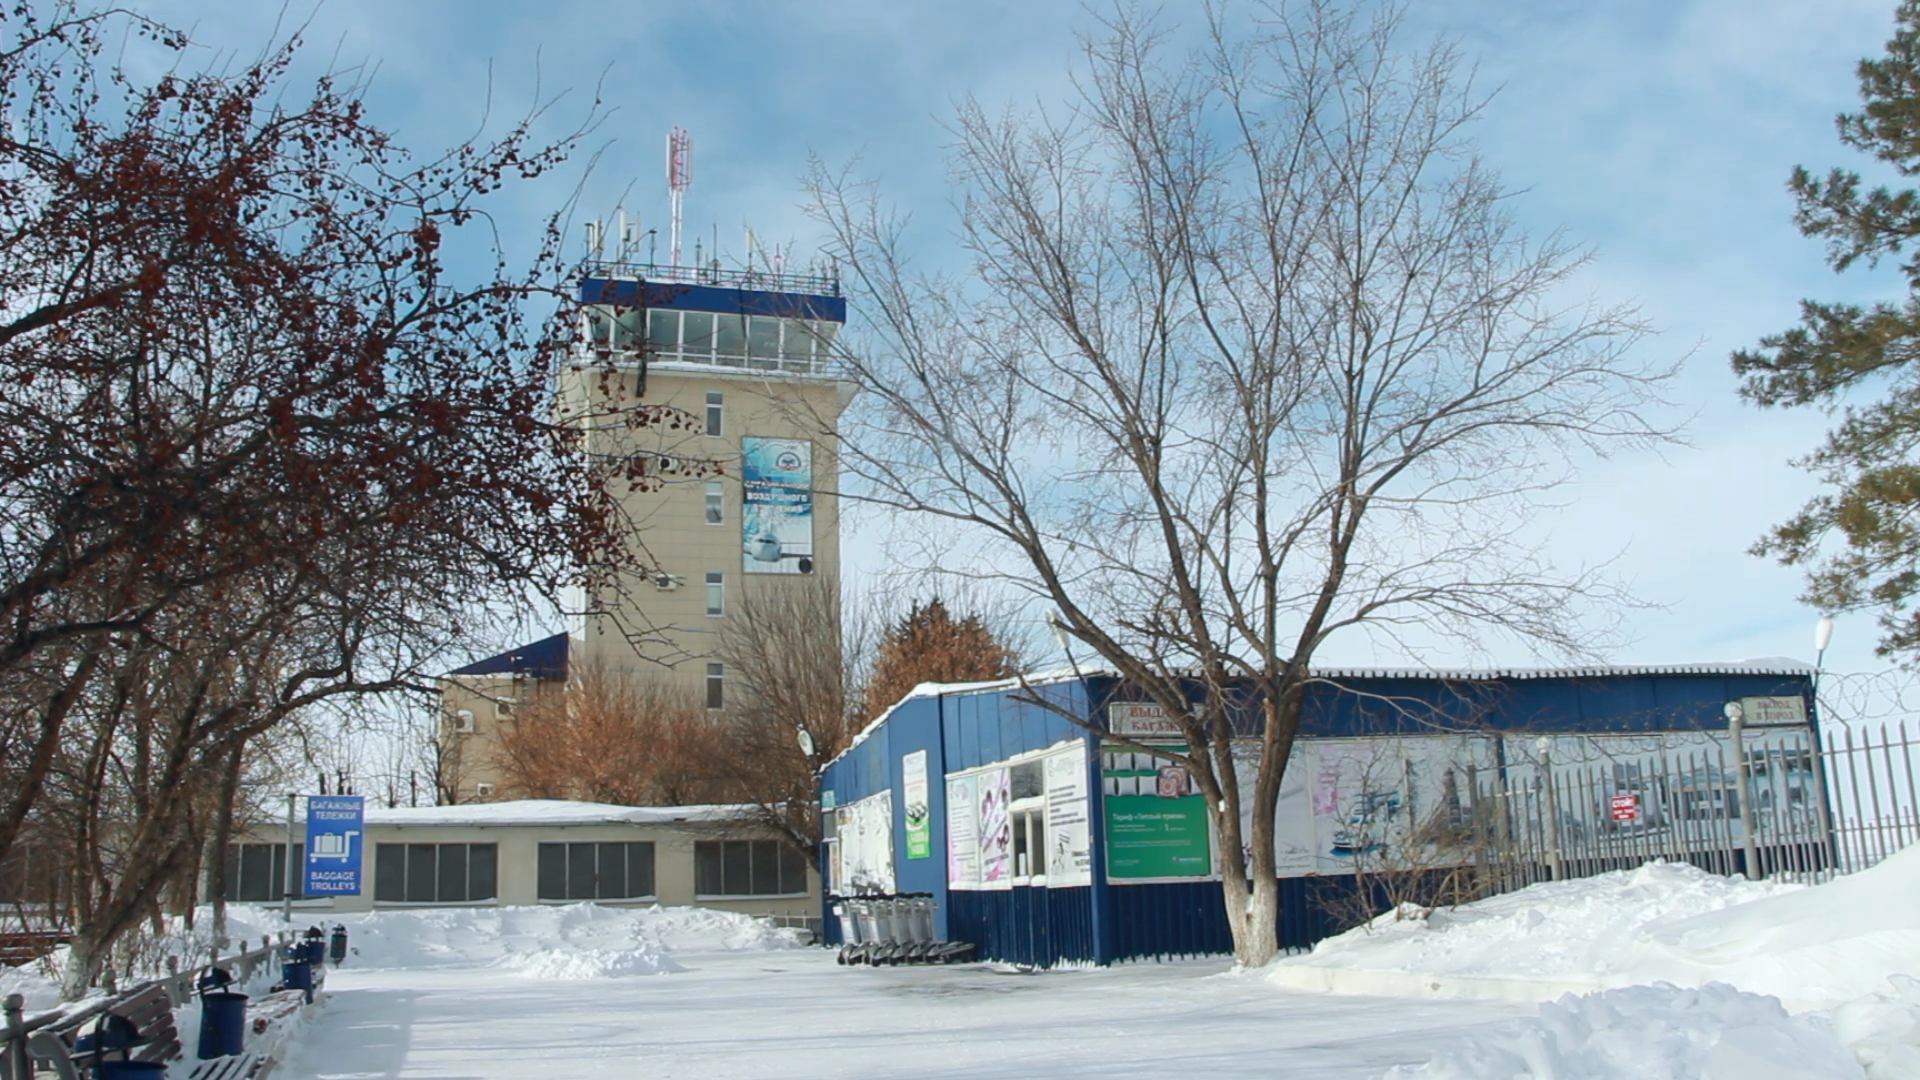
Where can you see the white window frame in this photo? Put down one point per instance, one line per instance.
(1025, 815)
(716, 595)
(716, 426)
(716, 502)
(716, 687)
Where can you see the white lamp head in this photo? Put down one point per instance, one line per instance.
(806, 741)
(1823, 633)
(1734, 712)
(1057, 628)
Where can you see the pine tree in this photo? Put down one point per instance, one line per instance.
(1868, 459)
(929, 645)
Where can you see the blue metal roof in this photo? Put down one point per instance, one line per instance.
(629, 292)
(544, 659)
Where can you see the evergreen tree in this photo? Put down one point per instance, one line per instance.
(1868, 459)
(929, 645)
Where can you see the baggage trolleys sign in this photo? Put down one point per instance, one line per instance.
(335, 825)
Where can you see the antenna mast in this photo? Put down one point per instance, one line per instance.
(679, 173)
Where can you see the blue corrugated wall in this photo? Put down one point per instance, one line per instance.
(1104, 923)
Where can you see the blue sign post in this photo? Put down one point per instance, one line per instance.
(335, 826)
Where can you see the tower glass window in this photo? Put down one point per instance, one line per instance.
(716, 413)
(696, 336)
(716, 602)
(716, 503)
(663, 331)
(763, 341)
(730, 338)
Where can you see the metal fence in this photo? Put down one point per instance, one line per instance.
(1778, 806)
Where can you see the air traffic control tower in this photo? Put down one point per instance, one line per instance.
(748, 356)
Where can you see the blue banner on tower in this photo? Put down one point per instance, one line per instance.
(335, 825)
(777, 523)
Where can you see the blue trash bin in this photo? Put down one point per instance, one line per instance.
(337, 946)
(296, 973)
(223, 1024)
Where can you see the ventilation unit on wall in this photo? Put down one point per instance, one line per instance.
(463, 720)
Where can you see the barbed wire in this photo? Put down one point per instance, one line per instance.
(1869, 697)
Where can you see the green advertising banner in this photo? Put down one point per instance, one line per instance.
(1156, 825)
(913, 768)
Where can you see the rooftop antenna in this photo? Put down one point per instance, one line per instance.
(629, 236)
(679, 174)
(596, 240)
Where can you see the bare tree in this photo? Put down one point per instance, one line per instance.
(1252, 354)
(614, 739)
(798, 665)
(272, 384)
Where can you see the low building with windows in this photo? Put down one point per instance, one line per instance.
(541, 851)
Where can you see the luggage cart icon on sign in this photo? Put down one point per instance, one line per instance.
(333, 845)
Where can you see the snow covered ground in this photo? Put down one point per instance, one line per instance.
(795, 1014)
(1663, 971)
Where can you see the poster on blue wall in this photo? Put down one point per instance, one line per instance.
(963, 834)
(776, 478)
(335, 826)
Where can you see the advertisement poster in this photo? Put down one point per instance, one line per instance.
(1156, 824)
(917, 812)
(777, 516)
(996, 829)
(865, 845)
(1293, 819)
(963, 834)
(1069, 847)
(1387, 803)
(335, 826)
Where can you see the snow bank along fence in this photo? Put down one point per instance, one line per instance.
(1805, 812)
(178, 985)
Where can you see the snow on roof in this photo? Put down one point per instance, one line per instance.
(548, 812)
(1770, 665)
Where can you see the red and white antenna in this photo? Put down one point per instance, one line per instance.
(679, 174)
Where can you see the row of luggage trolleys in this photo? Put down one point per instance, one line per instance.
(893, 928)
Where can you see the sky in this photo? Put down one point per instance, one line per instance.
(1657, 133)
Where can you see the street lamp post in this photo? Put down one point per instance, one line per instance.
(1736, 725)
(1822, 637)
(286, 892)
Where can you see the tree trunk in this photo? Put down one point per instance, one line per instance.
(217, 853)
(81, 966)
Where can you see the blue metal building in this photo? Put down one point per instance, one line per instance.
(1042, 842)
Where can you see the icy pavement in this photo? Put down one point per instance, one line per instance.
(797, 1014)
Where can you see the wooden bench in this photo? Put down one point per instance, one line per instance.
(149, 1033)
(136, 1028)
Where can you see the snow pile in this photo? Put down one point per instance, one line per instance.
(1722, 955)
(41, 990)
(1813, 948)
(1883, 1030)
(1658, 1032)
(570, 941)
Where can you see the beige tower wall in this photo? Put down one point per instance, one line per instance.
(667, 633)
